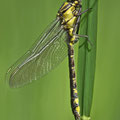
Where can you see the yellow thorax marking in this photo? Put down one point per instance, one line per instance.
(71, 22)
(68, 17)
(62, 8)
(69, 13)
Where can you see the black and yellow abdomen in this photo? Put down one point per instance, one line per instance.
(68, 17)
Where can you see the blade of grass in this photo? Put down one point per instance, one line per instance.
(87, 57)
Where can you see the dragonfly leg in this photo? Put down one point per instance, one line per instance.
(80, 13)
(84, 36)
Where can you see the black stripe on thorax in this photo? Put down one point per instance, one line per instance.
(64, 9)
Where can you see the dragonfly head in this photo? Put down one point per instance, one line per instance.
(77, 3)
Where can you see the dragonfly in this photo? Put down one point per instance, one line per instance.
(50, 49)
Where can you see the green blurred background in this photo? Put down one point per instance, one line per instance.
(21, 22)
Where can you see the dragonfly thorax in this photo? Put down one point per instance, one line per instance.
(67, 14)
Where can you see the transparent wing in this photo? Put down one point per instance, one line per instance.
(45, 54)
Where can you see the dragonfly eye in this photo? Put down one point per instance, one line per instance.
(76, 2)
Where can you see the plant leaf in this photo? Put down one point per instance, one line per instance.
(87, 57)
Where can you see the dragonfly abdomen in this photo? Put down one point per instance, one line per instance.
(69, 18)
(73, 84)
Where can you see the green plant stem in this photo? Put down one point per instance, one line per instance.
(87, 58)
